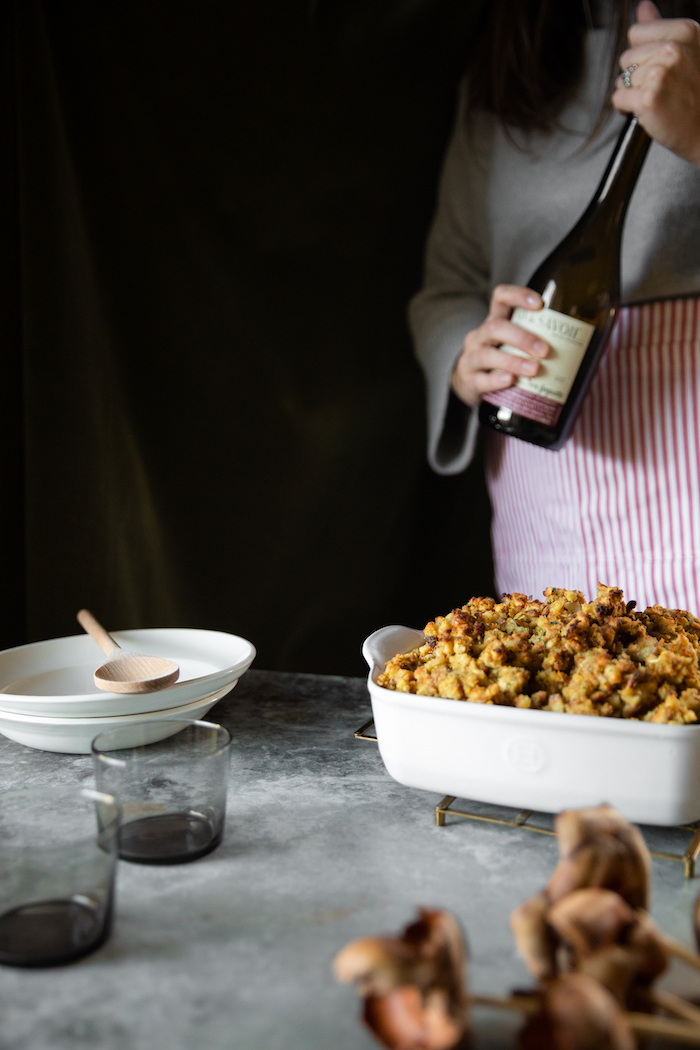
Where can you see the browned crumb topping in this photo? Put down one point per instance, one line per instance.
(563, 654)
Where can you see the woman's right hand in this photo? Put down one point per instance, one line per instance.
(482, 367)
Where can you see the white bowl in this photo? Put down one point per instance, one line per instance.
(537, 760)
(55, 678)
(74, 735)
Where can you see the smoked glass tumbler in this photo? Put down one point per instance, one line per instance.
(172, 792)
(58, 852)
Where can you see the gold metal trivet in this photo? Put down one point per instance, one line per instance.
(361, 733)
(687, 859)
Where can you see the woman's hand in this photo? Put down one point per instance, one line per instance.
(665, 86)
(482, 367)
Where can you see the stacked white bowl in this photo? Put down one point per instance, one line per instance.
(48, 698)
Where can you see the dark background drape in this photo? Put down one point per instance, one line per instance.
(213, 216)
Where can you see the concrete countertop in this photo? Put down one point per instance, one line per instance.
(233, 951)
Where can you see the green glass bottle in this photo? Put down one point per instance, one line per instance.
(580, 285)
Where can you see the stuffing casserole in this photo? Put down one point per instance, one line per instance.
(564, 654)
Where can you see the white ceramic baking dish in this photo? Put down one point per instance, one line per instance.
(536, 760)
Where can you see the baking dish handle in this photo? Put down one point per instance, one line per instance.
(387, 642)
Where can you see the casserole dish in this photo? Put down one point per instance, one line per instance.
(538, 760)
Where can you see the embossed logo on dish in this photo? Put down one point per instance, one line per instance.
(525, 755)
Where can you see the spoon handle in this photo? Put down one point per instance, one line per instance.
(96, 631)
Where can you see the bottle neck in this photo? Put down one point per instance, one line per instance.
(615, 189)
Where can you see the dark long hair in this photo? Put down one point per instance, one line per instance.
(528, 56)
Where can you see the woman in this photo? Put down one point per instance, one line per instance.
(620, 503)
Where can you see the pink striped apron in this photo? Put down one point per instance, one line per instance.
(620, 503)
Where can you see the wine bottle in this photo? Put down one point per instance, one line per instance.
(579, 283)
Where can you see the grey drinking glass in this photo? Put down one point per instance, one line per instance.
(172, 792)
(58, 852)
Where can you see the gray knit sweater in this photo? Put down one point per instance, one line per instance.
(501, 209)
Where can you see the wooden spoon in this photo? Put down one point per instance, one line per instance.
(127, 672)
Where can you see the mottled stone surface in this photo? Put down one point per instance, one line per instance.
(233, 951)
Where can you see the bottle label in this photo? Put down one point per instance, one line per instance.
(541, 398)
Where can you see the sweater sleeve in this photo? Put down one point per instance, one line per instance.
(456, 291)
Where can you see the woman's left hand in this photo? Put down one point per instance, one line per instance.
(665, 86)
